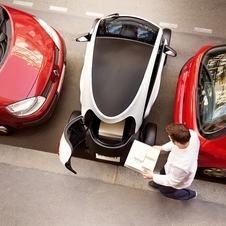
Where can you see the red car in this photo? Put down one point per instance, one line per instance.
(32, 68)
(200, 103)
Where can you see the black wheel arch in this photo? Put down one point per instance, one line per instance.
(148, 133)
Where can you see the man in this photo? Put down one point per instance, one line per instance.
(180, 168)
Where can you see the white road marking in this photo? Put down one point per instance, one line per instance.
(94, 14)
(57, 8)
(163, 24)
(29, 4)
(204, 30)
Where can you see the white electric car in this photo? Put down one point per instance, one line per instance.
(119, 83)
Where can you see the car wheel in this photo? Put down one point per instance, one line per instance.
(149, 133)
(74, 114)
(6, 130)
(215, 172)
(166, 35)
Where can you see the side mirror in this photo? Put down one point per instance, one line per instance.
(84, 38)
(169, 51)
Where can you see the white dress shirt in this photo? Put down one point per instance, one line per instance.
(181, 164)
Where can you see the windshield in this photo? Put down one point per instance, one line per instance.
(126, 27)
(5, 34)
(212, 91)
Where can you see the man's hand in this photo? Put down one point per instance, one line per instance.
(147, 174)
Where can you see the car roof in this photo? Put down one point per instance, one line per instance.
(120, 62)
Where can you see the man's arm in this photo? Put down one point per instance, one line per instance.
(158, 147)
(175, 178)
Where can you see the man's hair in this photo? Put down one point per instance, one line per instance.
(178, 132)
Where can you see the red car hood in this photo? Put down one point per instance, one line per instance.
(27, 55)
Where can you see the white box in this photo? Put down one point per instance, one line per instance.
(141, 156)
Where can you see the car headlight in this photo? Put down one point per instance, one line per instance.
(26, 107)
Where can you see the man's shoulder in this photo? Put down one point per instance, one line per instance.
(194, 137)
(193, 133)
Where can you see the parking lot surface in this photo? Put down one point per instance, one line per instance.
(37, 190)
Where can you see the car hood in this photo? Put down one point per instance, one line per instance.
(27, 55)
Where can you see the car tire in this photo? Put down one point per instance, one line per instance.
(74, 114)
(6, 130)
(166, 35)
(149, 133)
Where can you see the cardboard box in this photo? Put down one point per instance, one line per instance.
(141, 156)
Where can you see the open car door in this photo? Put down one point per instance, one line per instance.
(73, 135)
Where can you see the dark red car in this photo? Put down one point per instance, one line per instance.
(32, 68)
(200, 103)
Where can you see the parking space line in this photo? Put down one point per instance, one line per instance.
(94, 14)
(100, 15)
(29, 4)
(204, 30)
(163, 24)
(57, 8)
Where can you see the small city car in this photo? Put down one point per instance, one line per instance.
(119, 83)
(200, 103)
(32, 68)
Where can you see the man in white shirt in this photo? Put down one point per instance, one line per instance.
(180, 168)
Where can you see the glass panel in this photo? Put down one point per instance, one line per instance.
(211, 91)
(129, 28)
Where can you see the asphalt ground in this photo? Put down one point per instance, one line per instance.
(37, 190)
